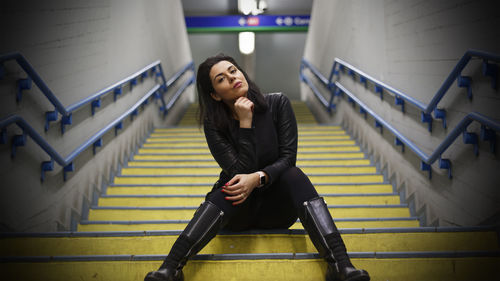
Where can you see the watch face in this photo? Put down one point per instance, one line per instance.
(262, 180)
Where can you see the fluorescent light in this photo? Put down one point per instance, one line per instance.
(246, 42)
(246, 6)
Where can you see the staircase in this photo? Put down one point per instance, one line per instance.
(132, 227)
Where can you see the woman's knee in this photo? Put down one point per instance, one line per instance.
(294, 175)
(298, 185)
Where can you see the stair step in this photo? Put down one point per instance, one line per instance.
(212, 163)
(196, 200)
(208, 156)
(195, 129)
(154, 143)
(210, 180)
(199, 138)
(202, 189)
(140, 171)
(251, 242)
(344, 148)
(181, 224)
(311, 131)
(184, 213)
(275, 267)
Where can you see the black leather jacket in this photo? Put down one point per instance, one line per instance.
(270, 145)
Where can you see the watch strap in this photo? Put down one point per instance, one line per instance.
(262, 178)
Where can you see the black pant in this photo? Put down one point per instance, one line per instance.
(275, 206)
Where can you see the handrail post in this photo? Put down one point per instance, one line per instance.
(95, 140)
(487, 129)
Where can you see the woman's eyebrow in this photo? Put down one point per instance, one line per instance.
(215, 77)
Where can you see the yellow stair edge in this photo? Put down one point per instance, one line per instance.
(100, 244)
(478, 268)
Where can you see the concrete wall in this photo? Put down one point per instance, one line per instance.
(78, 48)
(278, 58)
(274, 65)
(413, 46)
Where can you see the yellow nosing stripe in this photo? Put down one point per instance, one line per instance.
(246, 243)
(181, 226)
(324, 137)
(176, 144)
(178, 139)
(408, 269)
(212, 179)
(185, 214)
(203, 189)
(326, 142)
(155, 190)
(353, 188)
(353, 162)
(347, 179)
(328, 155)
(347, 162)
(196, 201)
(216, 170)
(171, 164)
(174, 157)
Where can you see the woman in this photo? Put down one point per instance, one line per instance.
(254, 140)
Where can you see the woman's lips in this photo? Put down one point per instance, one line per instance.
(237, 85)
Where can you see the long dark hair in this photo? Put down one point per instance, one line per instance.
(216, 113)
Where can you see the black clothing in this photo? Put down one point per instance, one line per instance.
(270, 146)
(274, 207)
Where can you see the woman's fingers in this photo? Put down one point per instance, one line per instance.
(239, 202)
(244, 104)
(239, 188)
(232, 181)
(231, 191)
(237, 198)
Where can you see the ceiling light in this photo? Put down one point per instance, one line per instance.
(246, 42)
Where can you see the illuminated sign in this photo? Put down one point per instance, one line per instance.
(238, 23)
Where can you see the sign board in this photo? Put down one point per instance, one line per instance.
(239, 23)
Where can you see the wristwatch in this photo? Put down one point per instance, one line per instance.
(262, 180)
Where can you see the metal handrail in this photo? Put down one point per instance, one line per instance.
(102, 92)
(327, 104)
(67, 111)
(420, 105)
(66, 162)
(449, 139)
(441, 92)
(427, 160)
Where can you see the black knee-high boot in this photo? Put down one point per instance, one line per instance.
(205, 224)
(325, 236)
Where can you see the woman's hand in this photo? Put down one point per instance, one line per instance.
(240, 187)
(243, 107)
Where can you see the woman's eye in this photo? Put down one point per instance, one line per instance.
(233, 70)
(221, 79)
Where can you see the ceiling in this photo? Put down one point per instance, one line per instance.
(230, 7)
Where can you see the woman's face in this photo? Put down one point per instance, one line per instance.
(228, 82)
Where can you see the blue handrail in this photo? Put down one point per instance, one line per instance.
(327, 104)
(450, 138)
(455, 74)
(66, 112)
(89, 99)
(26, 66)
(96, 139)
(66, 161)
(427, 160)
